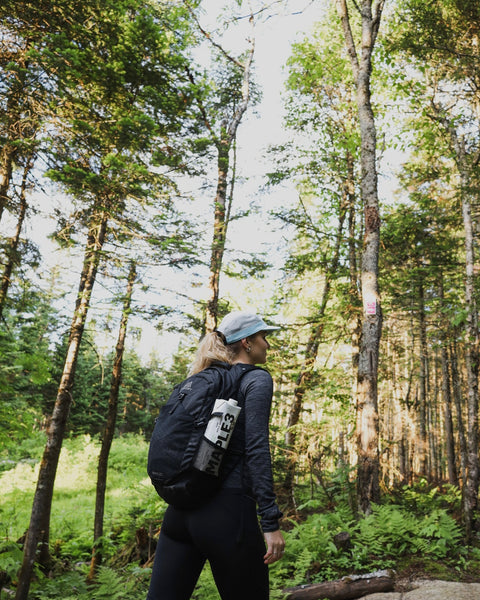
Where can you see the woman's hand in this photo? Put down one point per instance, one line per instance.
(275, 546)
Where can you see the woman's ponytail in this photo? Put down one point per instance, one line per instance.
(212, 348)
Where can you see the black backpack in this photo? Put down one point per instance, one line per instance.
(179, 430)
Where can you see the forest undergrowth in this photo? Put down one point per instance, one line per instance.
(415, 530)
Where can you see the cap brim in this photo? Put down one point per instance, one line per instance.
(269, 328)
(250, 331)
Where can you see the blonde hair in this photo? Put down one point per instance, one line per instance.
(212, 348)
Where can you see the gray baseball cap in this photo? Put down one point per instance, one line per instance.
(240, 324)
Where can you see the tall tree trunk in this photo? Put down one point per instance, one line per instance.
(472, 339)
(434, 435)
(423, 453)
(310, 356)
(39, 528)
(449, 437)
(408, 437)
(220, 225)
(458, 401)
(355, 313)
(447, 395)
(17, 126)
(224, 144)
(355, 317)
(7, 157)
(368, 468)
(109, 429)
(12, 255)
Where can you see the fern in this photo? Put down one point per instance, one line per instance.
(10, 558)
(120, 585)
(442, 532)
(109, 585)
(391, 532)
(206, 588)
(422, 500)
(379, 540)
(67, 586)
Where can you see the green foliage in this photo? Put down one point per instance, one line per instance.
(383, 539)
(110, 584)
(310, 553)
(414, 526)
(131, 584)
(70, 585)
(127, 487)
(90, 390)
(144, 389)
(320, 107)
(423, 498)
(421, 238)
(11, 556)
(206, 588)
(28, 450)
(26, 366)
(391, 532)
(128, 458)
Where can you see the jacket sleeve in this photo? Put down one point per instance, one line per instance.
(257, 388)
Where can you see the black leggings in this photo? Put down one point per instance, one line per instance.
(225, 532)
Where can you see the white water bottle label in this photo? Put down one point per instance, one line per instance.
(220, 426)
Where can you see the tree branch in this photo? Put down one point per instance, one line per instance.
(342, 10)
(209, 37)
(246, 67)
(201, 106)
(376, 16)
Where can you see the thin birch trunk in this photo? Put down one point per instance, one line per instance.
(220, 226)
(355, 317)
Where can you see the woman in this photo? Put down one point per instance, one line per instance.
(225, 531)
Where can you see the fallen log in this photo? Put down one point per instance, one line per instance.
(346, 588)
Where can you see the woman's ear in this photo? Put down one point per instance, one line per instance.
(246, 344)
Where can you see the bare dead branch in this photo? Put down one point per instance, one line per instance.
(208, 36)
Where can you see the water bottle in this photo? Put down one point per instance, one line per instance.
(217, 436)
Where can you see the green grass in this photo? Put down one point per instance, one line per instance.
(130, 503)
(74, 494)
